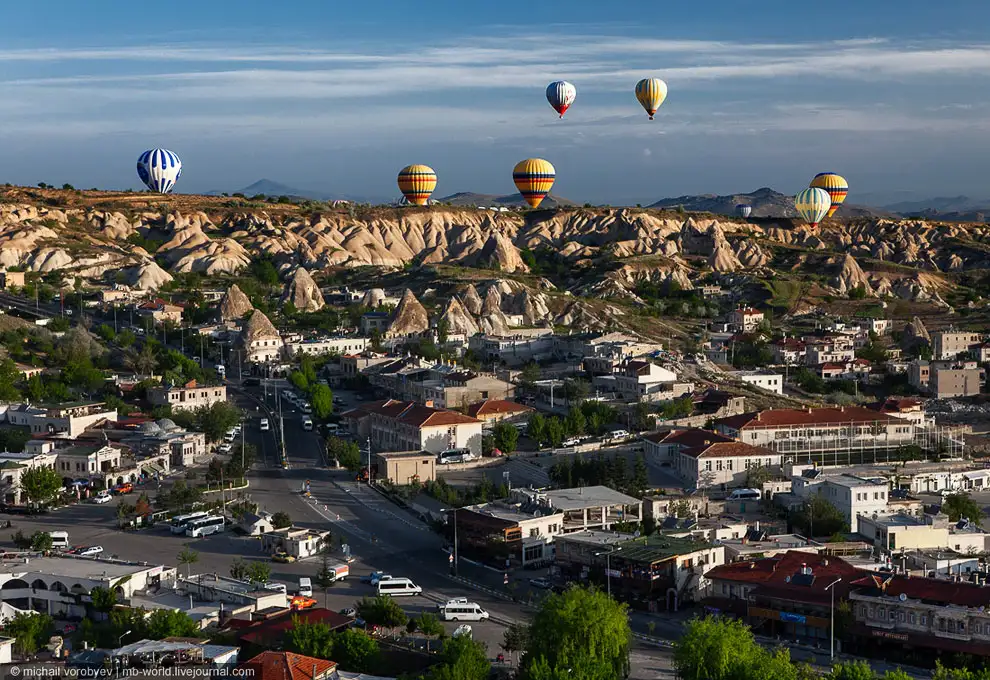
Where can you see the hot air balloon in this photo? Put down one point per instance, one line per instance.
(744, 210)
(812, 204)
(651, 92)
(159, 169)
(417, 182)
(836, 186)
(533, 178)
(561, 94)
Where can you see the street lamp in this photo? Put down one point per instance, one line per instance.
(608, 567)
(453, 511)
(120, 640)
(832, 616)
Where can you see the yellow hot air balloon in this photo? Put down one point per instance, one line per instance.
(417, 182)
(651, 92)
(836, 186)
(534, 178)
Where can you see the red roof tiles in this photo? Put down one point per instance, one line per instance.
(287, 666)
(492, 407)
(842, 415)
(929, 589)
(411, 413)
(781, 577)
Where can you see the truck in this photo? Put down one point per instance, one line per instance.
(340, 571)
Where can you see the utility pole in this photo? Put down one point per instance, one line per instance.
(369, 463)
(115, 319)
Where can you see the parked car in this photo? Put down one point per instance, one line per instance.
(349, 611)
(374, 577)
(463, 630)
(224, 448)
(89, 551)
(124, 488)
(301, 602)
(102, 497)
(283, 557)
(542, 583)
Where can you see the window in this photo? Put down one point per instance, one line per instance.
(914, 618)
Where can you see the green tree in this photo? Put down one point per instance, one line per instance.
(462, 659)
(356, 650)
(715, 649)
(126, 338)
(217, 419)
(515, 638)
(536, 428)
(382, 611)
(505, 437)
(104, 599)
(188, 557)
(326, 576)
(40, 484)
(579, 629)
(960, 505)
(554, 432)
(30, 631)
(818, 517)
(9, 376)
(258, 572)
(530, 373)
(238, 569)
(163, 623)
(299, 381)
(41, 541)
(281, 520)
(852, 670)
(346, 453)
(430, 626)
(321, 398)
(310, 639)
(575, 423)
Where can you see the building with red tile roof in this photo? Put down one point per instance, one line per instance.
(269, 633)
(900, 614)
(287, 666)
(820, 432)
(396, 425)
(788, 595)
(494, 410)
(706, 458)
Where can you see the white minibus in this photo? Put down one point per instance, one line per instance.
(398, 586)
(205, 526)
(462, 610)
(180, 523)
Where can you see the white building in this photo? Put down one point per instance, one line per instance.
(260, 340)
(906, 532)
(947, 345)
(704, 459)
(851, 495)
(320, 346)
(187, 397)
(745, 319)
(68, 420)
(771, 382)
(647, 381)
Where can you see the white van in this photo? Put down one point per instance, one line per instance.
(462, 610)
(745, 495)
(398, 586)
(307, 423)
(332, 428)
(60, 539)
(306, 586)
(264, 425)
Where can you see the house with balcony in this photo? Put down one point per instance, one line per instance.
(67, 420)
(949, 344)
(664, 571)
(900, 616)
(745, 319)
(322, 346)
(704, 459)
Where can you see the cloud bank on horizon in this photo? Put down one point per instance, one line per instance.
(891, 114)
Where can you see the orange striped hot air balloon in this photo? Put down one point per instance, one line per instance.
(534, 178)
(836, 186)
(651, 92)
(417, 182)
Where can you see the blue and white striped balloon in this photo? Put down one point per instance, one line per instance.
(159, 169)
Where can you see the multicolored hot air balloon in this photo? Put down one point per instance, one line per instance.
(813, 204)
(651, 92)
(836, 186)
(534, 178)
(561, 94)
(417, 182)
(744, 210)
(159, 169)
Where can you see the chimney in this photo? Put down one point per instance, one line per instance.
(757, 525)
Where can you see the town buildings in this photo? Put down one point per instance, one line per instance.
(745, 319)
(949, 344)
(491, 411)
(705, 459)
(851, 495)
(260, 341)
(404, 467)
(164, 438)
(665, 571)
(946, 379)
(160, 311)
(297, 542)
(188, 397)
(407, 426)
(68, 420)
(902, 532)
(321, 346)
(771, 382)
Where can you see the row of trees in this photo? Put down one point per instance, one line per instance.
(305, 379)
(611, 471)
(591, 417)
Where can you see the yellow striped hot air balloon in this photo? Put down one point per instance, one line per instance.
(651, 92)
(812, 205)
(836, 186)
(534, 178)
(417, 182)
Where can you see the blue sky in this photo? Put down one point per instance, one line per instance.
(337, 97)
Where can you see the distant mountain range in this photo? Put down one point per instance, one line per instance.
(765, 202)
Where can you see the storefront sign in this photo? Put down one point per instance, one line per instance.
(793, 618)
(887, 635)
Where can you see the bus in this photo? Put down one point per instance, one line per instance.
(205, 526)
(180, 523)
(455, 456)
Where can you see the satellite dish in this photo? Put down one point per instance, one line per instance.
(787, 579)
(902, 597)
(636, 534)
